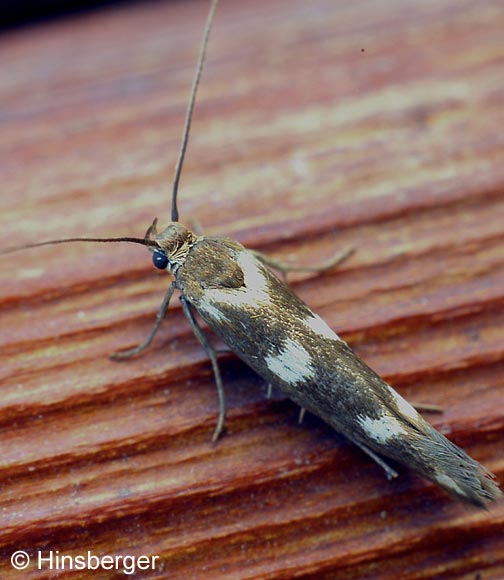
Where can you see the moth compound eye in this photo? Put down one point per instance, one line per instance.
(159, 259)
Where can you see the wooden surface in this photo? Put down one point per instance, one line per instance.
(319, 125)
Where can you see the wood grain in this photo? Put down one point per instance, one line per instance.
(319, 125)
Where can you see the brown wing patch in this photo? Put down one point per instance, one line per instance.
(212, 264)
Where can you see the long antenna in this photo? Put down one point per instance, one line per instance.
(178, 169)
(190, 108)
(144, 242)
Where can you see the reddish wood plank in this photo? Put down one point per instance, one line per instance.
(319, 125)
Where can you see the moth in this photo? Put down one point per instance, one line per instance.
(272, 330)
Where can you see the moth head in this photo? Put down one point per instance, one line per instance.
(171, 245)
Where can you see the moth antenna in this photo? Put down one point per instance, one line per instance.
(190, 108)
(178, 169)
(141, 241)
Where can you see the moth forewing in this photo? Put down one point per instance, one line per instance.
(270, 328)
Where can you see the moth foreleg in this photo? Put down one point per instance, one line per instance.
(389, 472)
(285, 267)
(159, 318)
(212, 354)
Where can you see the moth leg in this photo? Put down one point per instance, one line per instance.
(302, 410)
(285, 267)
(159, 318)
(212, 354)
(427, 407)
(389, 472)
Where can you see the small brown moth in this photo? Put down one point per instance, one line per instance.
(270, 328)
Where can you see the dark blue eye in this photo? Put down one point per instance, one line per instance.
(159, 259)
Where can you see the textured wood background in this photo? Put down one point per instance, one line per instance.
(321, 124)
